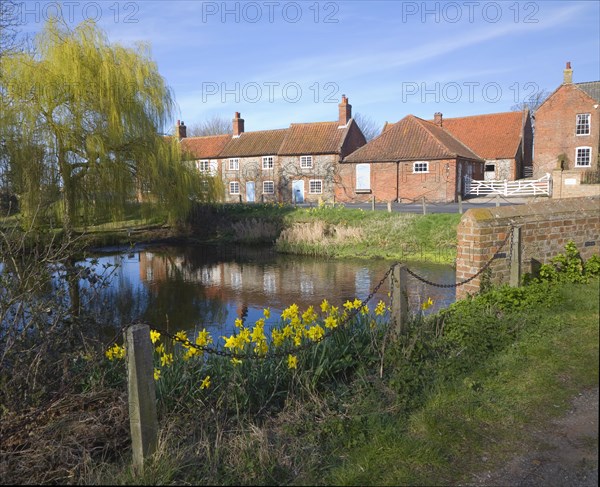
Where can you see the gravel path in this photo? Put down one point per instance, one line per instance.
(565, 452)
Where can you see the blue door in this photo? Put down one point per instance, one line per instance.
(250, 192)
(298, 191)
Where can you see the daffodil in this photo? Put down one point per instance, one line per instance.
(325, 306)
(181, 337)
(380, 308)
(203, 338)
(238, 323)
(267, 313)
(205, 383)
(315, 333)
(292, 361)
(236, 361)
(160, 349)
(166, 359)
(154, 336)
(156, 374)
(427, 304)
(278, 337)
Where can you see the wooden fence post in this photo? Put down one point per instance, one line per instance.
(143, 420)
(373, 203)
(460, 209)
(399, 295)
(389, 206)
(497, 200)
(515, 258)
(424, 206)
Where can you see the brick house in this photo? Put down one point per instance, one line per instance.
(567, 127)
(296, 164)
(503, 140)
(203, 150)
(411, 159)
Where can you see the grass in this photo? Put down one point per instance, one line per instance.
(488, 412)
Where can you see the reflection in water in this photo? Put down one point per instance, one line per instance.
(198, 286)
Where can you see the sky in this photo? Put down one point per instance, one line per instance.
(280, 62)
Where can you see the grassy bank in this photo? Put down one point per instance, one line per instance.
(329, 231)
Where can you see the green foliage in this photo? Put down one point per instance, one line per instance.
(82, 130)
(569, 267)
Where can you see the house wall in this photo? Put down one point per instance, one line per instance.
(555, 129)
(250, 169)
(567, 184)
(546, 227)
(505, 169)
(392, 181)
(324, 169)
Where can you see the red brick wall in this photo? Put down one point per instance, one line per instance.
(555, 129)
(395, 180)
(545, 229)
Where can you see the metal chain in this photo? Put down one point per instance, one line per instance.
(286, 351)
(485, 266)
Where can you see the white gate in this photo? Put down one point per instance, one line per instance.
(520, 187)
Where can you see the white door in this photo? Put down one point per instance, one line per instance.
(298, 191)
(250, 195)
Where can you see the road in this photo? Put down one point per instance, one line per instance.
(481, 202)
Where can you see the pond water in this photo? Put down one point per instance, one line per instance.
(195, 287)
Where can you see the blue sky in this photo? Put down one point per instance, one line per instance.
(279, 62)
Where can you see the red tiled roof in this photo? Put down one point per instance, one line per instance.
(411, 139)
(205, 147)
(259, 143)
(492, 136)
(314, 138)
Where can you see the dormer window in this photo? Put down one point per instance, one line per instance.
(582, 126)
(306, 162)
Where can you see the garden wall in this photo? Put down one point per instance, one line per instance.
(567, 184)
(545, 229)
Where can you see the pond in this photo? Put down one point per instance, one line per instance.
(194, 287)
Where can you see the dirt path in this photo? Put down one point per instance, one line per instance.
(565, 451)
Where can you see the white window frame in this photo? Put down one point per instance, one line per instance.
(268, 162)
(315, 181)
(359, 169)
(232, 185)
(420, 164)
(272, 184)
(203, 165)
(306, 162)
(579, 123)
(234, 164)
(589, 149)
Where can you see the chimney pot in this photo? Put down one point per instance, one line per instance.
(437, 119)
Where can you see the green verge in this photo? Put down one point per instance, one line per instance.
(327, 231)
(490, 410)
(343, 233)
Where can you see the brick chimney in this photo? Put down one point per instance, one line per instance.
(238, 125)
(568, 74)
(345, 111)
(437, 118)
(181, 130)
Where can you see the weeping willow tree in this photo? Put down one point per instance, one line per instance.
(84, 129)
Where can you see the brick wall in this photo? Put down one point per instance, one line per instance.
(567, 184)
(555, 122)
(545, 229)
(391, 181)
